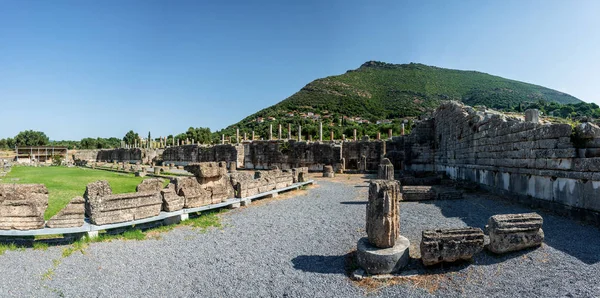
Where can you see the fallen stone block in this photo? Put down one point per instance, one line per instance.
(206, 169)
(69, 217)
(512, 232)
(450, 245)
(417, 193)
(22, 206)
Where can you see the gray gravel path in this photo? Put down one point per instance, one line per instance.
(297, 247)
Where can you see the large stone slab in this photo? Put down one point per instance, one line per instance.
(206, 169)
(512, 232)
(450, 245)
(417, 193)
(69, 217)
(22, 206)
(383, 214)
(171, 201)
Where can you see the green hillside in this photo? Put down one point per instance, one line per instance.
(378, 91)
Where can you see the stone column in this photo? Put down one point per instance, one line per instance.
(270, 132)
(355, 134)
(331, 135)
(378, 136)
(321, 131)
(245, 137)
(279, 136)
(289, 131)
(389, 133)
(383, 251)
(253, 135)
(222, 139)
(385, 170)
(532, 115)
(237, 135)
(402, 128)
(299, 133)
(343, 137)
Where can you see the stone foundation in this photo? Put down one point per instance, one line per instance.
(22, 206)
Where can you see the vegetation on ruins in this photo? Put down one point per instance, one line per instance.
(66, 183)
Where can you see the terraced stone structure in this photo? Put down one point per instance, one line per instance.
(22, 206)
(512, 232)
(450, 245)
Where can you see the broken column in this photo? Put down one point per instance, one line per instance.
(279, 135)
(299, 133)
(328, 171)
(354, 135)
(384, 250)
(512, 232)
(450, 245)
(532, 115)
(320, 131)
(385, 170)
(270, 132)
(289, 131)
(389, 133)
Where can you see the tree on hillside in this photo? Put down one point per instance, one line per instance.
(31, 138)
(131, 137)
(201, 135)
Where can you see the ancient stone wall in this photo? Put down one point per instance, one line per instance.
(183, 155)
(142, 155)
(262, 155)
(22, 206)
(509, 155)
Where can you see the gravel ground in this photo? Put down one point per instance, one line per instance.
(299, 246)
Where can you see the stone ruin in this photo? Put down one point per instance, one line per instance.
(22, 206)
(450, 245)
(385, 170)
(512, 232)
(384, 250)
(210, 184)
(245, 184)
(103, 207)
(328, 172)
(71, 216)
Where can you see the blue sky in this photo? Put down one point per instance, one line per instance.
(77, 69)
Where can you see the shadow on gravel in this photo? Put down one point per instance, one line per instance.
(320, 264)
(354, 203)
(569, 236)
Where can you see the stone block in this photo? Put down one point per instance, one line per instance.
(71, 216)
(417, 193)
(170, 200)
(22, 206)
(450, 245)
(385, 170)
(206, 169)
(376, 260)
(151, 185)
(328, 172)
(512, 232)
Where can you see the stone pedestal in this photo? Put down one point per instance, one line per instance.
(328, 172)
(376, 260)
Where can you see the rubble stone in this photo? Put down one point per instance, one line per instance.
(386, 170)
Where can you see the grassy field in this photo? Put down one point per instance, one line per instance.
(66, 183)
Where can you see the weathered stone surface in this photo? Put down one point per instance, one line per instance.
(300, 174)
(450, 245)
(385, 170)
(417, 193)
(170, 200)
(376, 260)
(140, 173)
(587, 130)
(151, 185)
(102, 207)
(206, 169)
(22, 206)
(328, 172)
(512, 232)
(69, 217)
(383, 214)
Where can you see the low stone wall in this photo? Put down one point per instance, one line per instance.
(103, 207)
(72, 215)
(133, 155)
(22, 206)
(245, 184)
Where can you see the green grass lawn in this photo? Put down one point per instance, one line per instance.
(66, 183)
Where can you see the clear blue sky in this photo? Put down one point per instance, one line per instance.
(75, 69)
